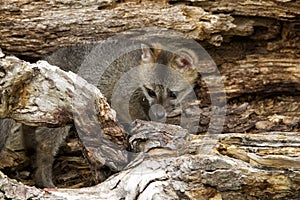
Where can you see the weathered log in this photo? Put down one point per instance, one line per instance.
(183, 166)
(11, 189)
(258, 58)
(107, 17)
(167, 148)
(271, 28)
(197, 23)
(41, 94)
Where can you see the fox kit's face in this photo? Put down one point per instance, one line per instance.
(168, 78)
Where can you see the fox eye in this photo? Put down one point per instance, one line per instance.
(172, 94)
(151, 92)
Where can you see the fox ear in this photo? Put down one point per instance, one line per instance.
(147, 54)
(184, 61)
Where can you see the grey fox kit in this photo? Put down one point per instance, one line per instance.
(156, 98)
(43, 141)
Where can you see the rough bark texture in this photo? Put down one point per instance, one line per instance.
(195, 167)
(256, 46)
(41, 94)
(260, 39)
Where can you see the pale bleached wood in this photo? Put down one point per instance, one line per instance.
(259, 39)
(65, 24)
(43, 95)
(219, 166)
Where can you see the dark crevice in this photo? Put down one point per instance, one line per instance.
(261, 95)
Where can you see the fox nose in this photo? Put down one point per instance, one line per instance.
(160, 114)
(157, 113)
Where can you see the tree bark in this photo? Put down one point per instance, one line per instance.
(255, 45)
(42, 94)
(211, 166)
(195, 167)
(269, 31)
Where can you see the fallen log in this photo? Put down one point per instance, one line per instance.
(43, 95)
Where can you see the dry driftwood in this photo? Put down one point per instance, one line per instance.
(172, 164)
(195, 21)
(59, 23)
(194, 167)
(259, 56)
(41, 94)
(259, 63)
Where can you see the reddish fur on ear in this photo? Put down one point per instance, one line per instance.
(184, 61)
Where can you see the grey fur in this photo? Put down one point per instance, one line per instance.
(5, 127)
(43, 141)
